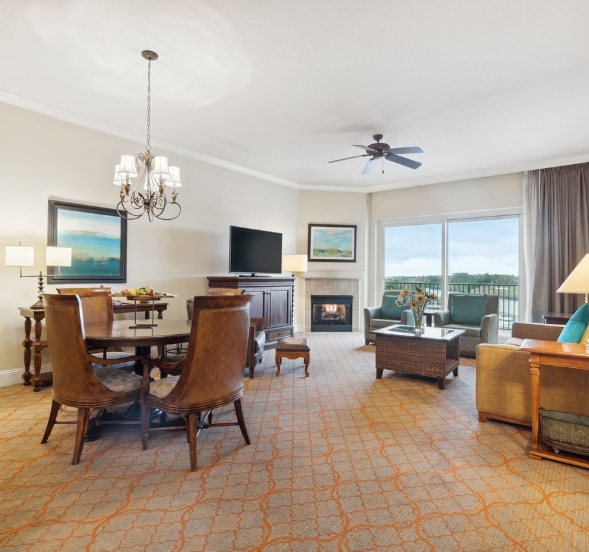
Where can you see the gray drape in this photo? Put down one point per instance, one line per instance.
(556, 235)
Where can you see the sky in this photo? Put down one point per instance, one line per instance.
(476, 247)
(76, 221)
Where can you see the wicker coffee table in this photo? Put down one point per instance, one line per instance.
(434, 353)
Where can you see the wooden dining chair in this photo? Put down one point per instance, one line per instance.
(75, 382)
(211, 373)
(97, 307)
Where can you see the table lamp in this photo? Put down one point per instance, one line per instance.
(578, 280)
(18, 255)
(294, 263)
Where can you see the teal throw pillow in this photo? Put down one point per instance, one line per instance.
(468, 309)
(576, 326)
(389, 309)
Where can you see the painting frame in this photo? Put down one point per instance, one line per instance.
(318, 232)
(55, 208)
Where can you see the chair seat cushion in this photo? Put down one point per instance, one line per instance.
(114, 355)
(260, 341)
(469, 331)
(376, 323)
(293, 344)
(162, 387)
(118, 380)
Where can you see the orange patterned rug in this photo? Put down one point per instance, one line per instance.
(338, 461)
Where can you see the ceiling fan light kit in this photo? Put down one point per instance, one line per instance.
(383, 151)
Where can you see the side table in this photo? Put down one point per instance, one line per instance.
(34, 347)
(560, 318)
(552, 353)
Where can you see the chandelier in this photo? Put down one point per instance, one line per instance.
(149, 194)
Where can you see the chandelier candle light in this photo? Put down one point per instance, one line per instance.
(149, 194)
(417, 301)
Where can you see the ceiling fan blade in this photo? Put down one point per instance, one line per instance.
(403, 161)
(370, 150)
(370, 165)
(354, 157)
(405, 150)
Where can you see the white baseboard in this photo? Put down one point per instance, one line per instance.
(14, 376)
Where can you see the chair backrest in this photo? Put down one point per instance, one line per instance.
(491, 307)
(215, 361)
(390, 292)
(225, 291)
(73, 377)
(96, 303)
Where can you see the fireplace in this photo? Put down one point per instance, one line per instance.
(331, 313)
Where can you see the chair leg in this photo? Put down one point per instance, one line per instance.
(83, 417)
(144, 424)
(55, 406)
(241, 421)
(191, 429)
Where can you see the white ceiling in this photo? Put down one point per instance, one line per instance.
(281, 87)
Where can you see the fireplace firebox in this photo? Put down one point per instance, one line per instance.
(331, 313)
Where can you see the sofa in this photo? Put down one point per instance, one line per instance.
(374, 319)
(486, 331)
(503, 379)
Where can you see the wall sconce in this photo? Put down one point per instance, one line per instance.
(18, 255)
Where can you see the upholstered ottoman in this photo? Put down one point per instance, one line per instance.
(293, 347)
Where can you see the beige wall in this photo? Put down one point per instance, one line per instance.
(464, 197)
(44, 158)
(333, 208)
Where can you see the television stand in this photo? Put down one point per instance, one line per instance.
(272, 301)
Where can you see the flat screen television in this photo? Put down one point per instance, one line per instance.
(252, 251)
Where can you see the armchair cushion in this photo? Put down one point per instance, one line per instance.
(576, 326)
(118, 380)
(469, 331)
(389, 308)
(162, 387)
(468, 309)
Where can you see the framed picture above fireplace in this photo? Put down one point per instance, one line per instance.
(332, 243)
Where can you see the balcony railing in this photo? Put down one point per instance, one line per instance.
(508, 296)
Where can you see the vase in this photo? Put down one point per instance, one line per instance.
(418, 323)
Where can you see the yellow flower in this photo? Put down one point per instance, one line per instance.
(420, 297)
(434, 296)
(398, 303)
(413, 305)
(419, 289)
(403, 293)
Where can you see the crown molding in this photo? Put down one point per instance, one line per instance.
(63, 115)
(80, 120)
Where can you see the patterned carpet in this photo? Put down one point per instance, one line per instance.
(338, 461)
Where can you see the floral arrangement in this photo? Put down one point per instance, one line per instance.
(417, 301)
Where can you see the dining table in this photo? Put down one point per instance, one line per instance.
(125, 333)
(119, 333)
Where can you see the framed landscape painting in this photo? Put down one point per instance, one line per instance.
(98, 238)
(332, 243)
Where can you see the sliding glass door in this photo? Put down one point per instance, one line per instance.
(483, 257)
(476, 255)
(413, 257)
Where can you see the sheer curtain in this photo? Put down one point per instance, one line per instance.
(556, 235)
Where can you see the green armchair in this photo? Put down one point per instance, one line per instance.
(381, 317)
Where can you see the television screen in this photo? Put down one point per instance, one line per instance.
(252, 251)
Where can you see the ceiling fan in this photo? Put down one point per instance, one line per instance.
(382, 151)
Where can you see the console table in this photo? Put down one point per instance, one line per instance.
(552, 353)
(33, 347)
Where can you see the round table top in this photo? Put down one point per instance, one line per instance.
(119, 333)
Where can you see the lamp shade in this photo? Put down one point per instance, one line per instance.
(294, 263)
(127, 167)
(174, 179)
(58, 256)
(160, 167)
(578, 280)
(17, 255)
(118, 179)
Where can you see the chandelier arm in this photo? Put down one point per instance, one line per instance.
(126, 214)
